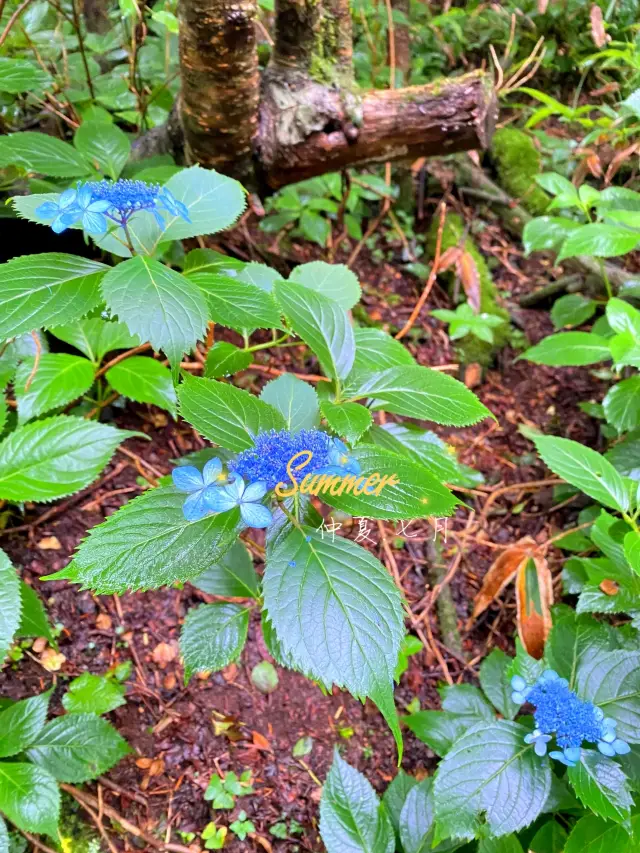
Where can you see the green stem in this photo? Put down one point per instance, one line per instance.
(276, 343)
(605, 278)
(631, 521)
(128, 239)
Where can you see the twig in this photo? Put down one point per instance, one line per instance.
(101, 405)
(430, 280)
(121, 357)
(531, 486)
(140, 462)
(274, 371)
(12, 20)
(36, 843)
(83, 54)
(36, 360)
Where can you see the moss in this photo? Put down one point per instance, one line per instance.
(469, 348)
(517, 162)
(76, 836)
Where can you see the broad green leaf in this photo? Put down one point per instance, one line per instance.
(547, 233)
(49, 459)
(574, 637)
(622, 404)
(234, 575)
(526, 666)
(259, 274)
(632, 550)
(550, 838)
(611, 680)
(352, 820)
(214, 202)
(224, 359)
(96, 337)
(321, 323)
(414, 494)
(495, 683)
(93, 694)
(574, 309)
(625, 350)
(157, 304)
(395, 796)
(21, 723)
(602, 241)
(206, 260)
(623, 317)
(212, 637)
(376, 350)
(439, 729)
(416, 818)
(77, 747)
(144, 380)
(42, 290)
(349, 420)
(552, 182)
(337, 614)
(315, 227)
(10, 604)
(585, 469)
(224, 414)
(29, 798)
(593, 835)
(569, 349)
(38, 152)
(467, 700)
(104, 145)
(148, 543)
(425, 447)
(295, 399)
(33, 617)
(419, 392)
(601, 786)
(506, 844)
(237, 304)
(625, 455)
(335, 281)
(21, 75)
(490, 771)
(58, 379)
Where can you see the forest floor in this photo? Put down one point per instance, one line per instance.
(222, 722)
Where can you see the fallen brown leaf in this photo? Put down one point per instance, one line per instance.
(52, 660)
(534, 597)
(49, 543)
(609, 587)
(103, 621)
(260, 741)
(39, 645)
(501, 572)
(598, 33)
(164, 653)
(470, 278)
(473, 375)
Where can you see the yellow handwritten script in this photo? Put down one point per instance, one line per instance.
(334, 484)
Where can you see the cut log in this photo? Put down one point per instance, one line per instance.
(307, 129)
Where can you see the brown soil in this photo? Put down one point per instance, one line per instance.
(165, 720)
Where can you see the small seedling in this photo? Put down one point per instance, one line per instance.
(241, 826)
(223, 791)
(214, 836)
(303, 747)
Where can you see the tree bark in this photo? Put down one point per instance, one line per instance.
(220, 84)
(298, 34)
(307, 129)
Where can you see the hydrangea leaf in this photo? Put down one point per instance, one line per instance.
(104, 145)
(144, 380)
(348, 420)
(335, 281)
(77, 747)
(495, 683)
(214, 202)
(416, 818)
(395, 797)
(42, 290)
(234, 575)
(224, 414)
(10, 604)
(237, 304)
(601, 786)
(224, 359)
(55, 380)
(93, 694)
(295, 399)
(33, 616)
(39, 152)
(490, 771)
(592, 834)
(212, 637)
(439, 729)
(569, 349)
(352, 819)
(49, 459)
(377, 350)
(573, 638)
(611, 680)
(157, 304)
(148, 543)
(96, 337)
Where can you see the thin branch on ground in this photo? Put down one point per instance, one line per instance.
(13, 19)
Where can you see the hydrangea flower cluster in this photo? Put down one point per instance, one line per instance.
(93, 203)
(273, 450)
(255, 472)
(559, 712)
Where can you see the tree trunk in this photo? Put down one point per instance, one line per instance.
(220, 84)
(298, 34)
(307, 129)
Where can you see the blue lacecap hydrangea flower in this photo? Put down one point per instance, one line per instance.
(560, 713)
(255, 472)
(273, 450)
(94, 203)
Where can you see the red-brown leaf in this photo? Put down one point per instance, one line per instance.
(470, 278)
(598, 34)
(534, 596)
(501, 572)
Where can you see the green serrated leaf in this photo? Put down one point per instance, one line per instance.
(591, 834)
(224, 414)
(42, 290)
(321, 323)
(600, 240)
(33, 617)
(611, 680)
(495, 683)
(295, 399)
(157, 304)
(77, 747)
(419, 392)
(10, 604)
(259, 274)
(38, 152)
(573, 638)
(550, 838)
(571, 349)
(601, 786)
(93, 694)
(416, 818)
(30, 798)
(96, 337)
(585, 469)
(490, 771)
(574, 309)
(104, 145)
(376, 350)
(145, 381)
(54, 380)
(148, 543)
(20, 75)
(21, 723)
(351, 816)
(622, 404)
(237, 304)
(212, 637)
(206, 260)
(224, 359)
(49, 459)
(395, 796)
(547, 233)
(348, 420)
(439, 729)
(335, 281)
(234, 575)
